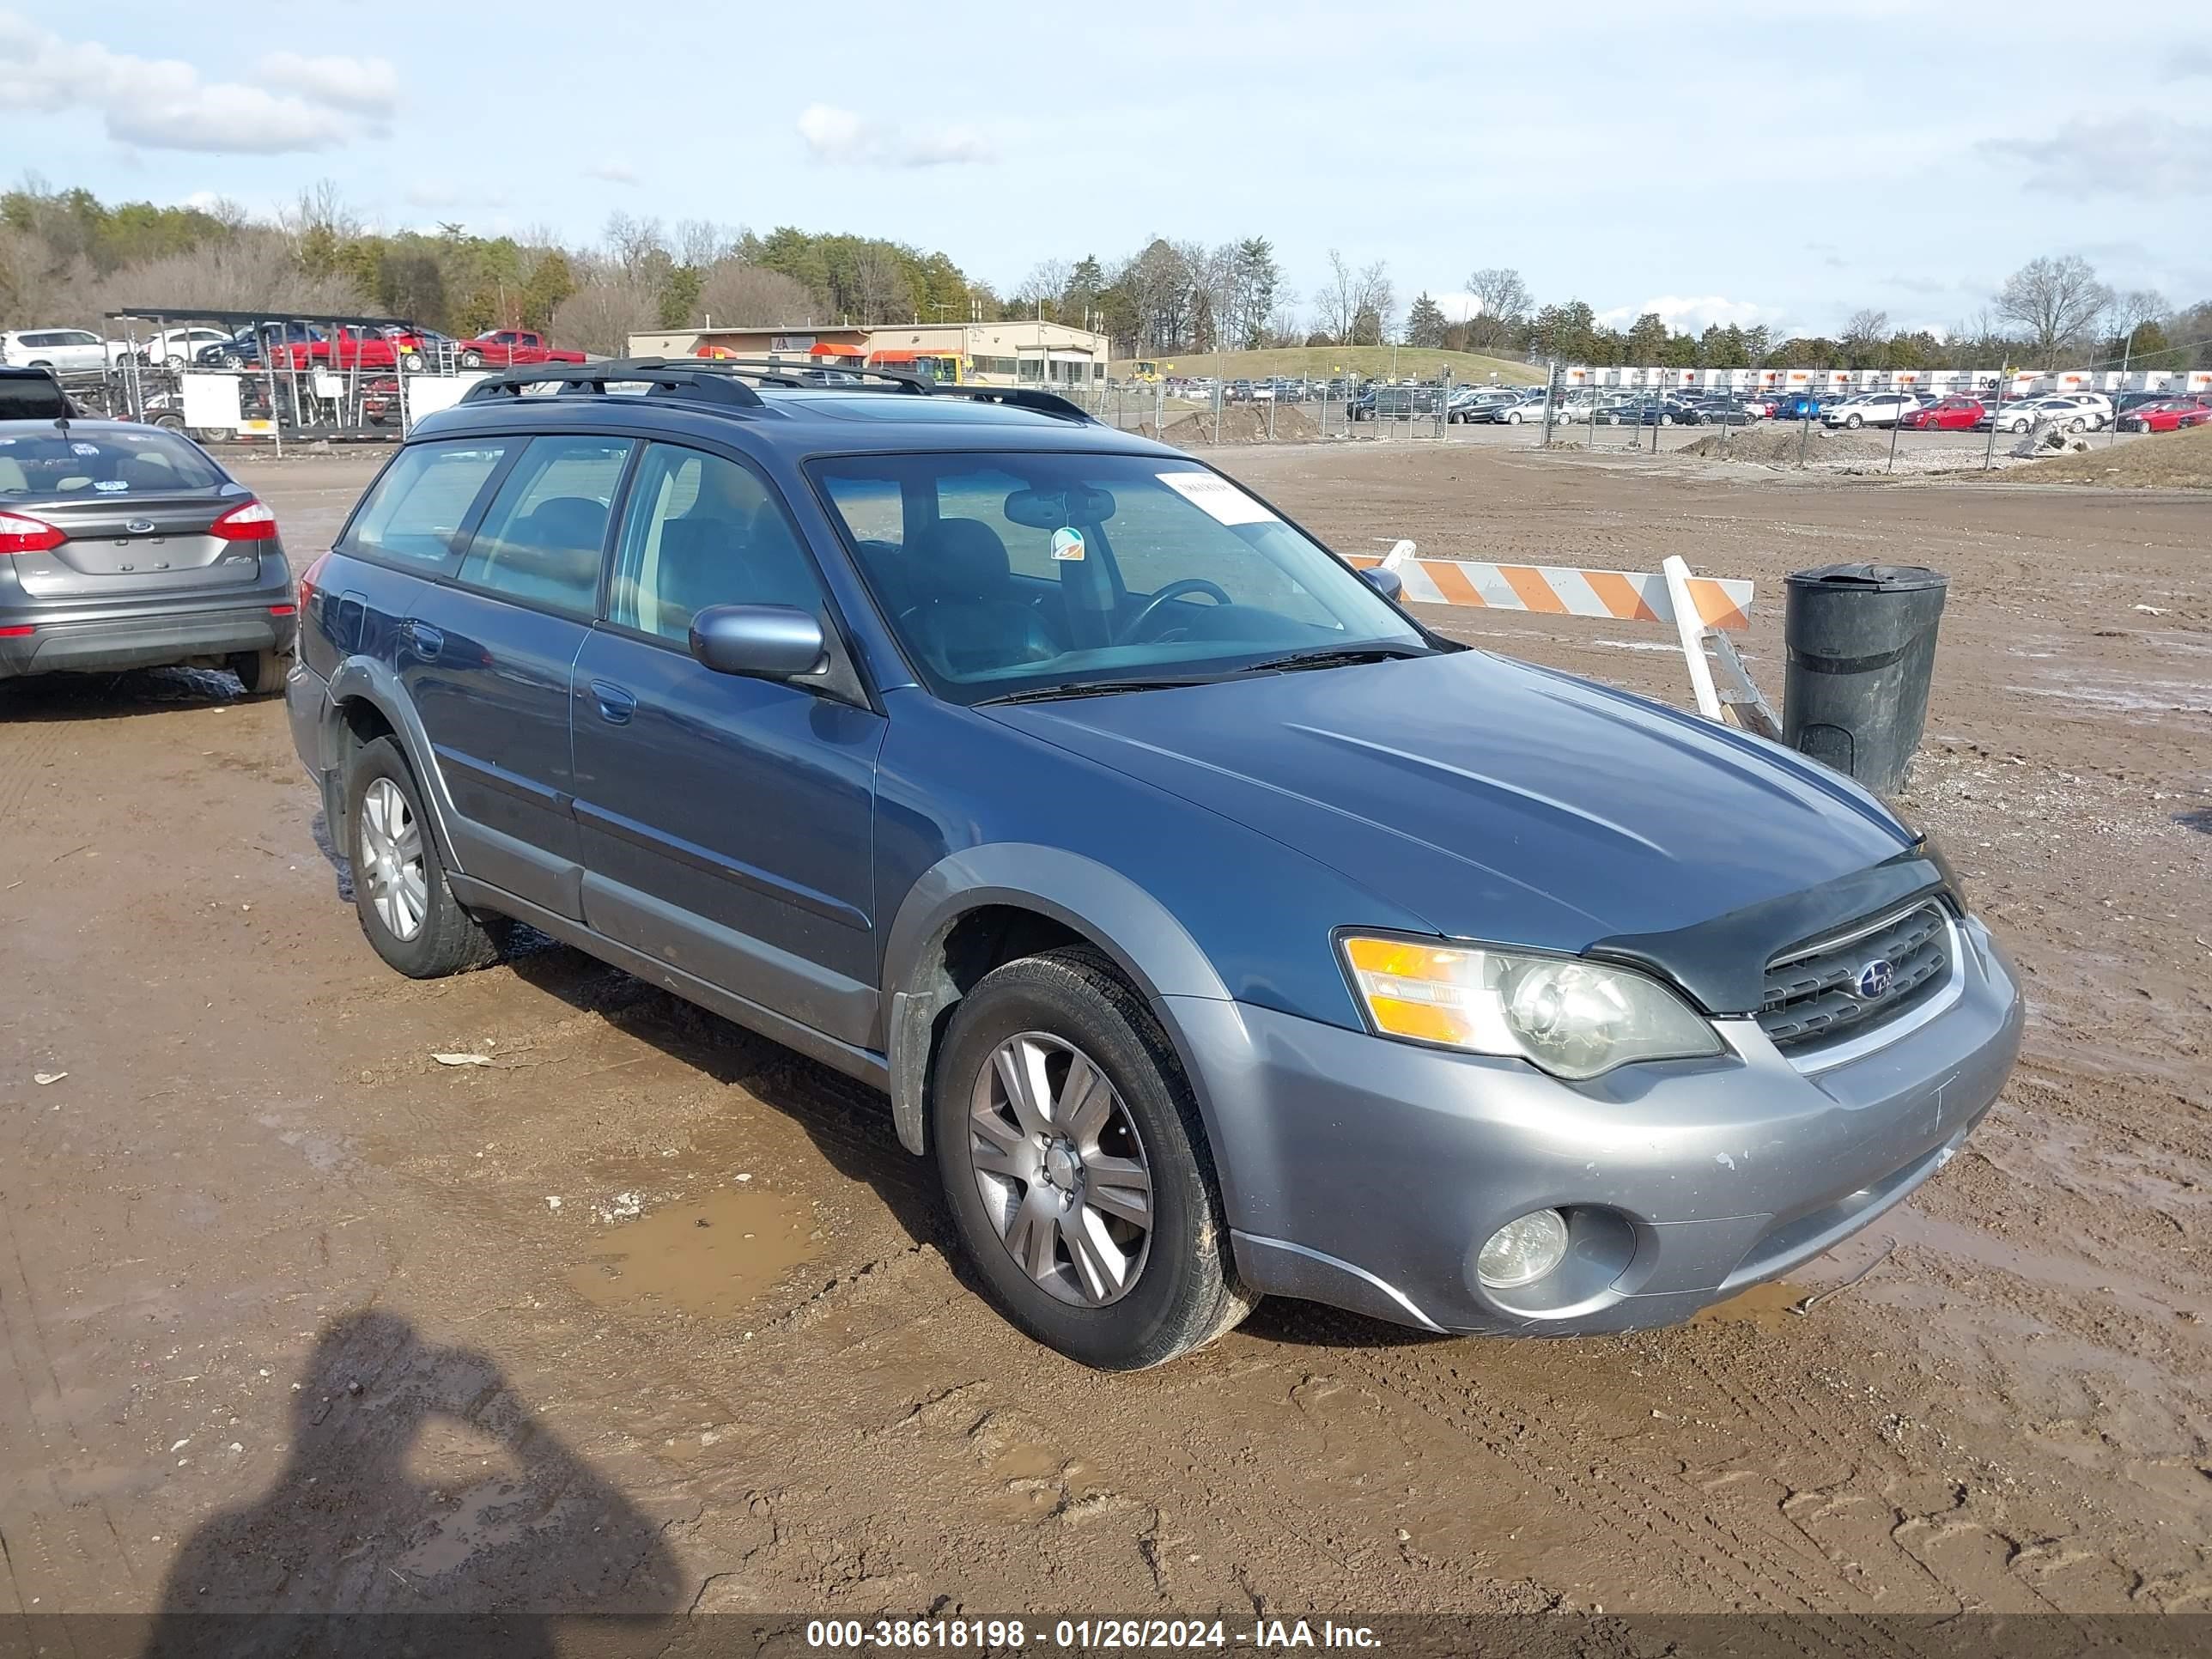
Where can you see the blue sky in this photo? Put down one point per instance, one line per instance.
(1713, 161)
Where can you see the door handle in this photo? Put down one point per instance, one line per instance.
(427, 641)
(615, 705)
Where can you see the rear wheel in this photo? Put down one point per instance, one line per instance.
(411, 916)
(1076, 1167)
(472, 360)
(261, 672)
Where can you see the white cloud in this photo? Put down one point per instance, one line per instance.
(614, 172)
(366, 86)
(2152, 159)
(1691, 313)
(159, 103)
(840, 135)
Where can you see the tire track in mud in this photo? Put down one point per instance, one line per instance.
(1686, 1538)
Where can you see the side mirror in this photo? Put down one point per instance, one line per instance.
(759, 641)
(1388, 583)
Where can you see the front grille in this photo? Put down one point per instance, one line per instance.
(1815, 995)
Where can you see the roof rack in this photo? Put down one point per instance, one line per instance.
(775, 371)
(679, 376)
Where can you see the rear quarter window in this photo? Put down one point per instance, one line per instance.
(415, 511)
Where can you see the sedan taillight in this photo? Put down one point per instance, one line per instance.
(21, 534)
(253, 522)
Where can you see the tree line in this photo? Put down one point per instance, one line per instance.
(67, 258)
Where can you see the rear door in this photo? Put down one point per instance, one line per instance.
(137, 508)
(486, 659)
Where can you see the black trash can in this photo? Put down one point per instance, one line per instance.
(1862, 641)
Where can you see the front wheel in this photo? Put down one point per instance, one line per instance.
(1666, 420)
(1076, 1167)
(1854, 422)
(412, 362)
(1513, 417)
(2076, 424)
(411, 916)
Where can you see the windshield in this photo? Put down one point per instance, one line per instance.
(1005, 574)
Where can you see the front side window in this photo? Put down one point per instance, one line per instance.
(702, 530)
(540, 541)
(414, 512)
(1003, 573)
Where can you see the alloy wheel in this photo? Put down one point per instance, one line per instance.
(1061, 1169)
(390, 859)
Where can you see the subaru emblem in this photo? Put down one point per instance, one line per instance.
(139, 526)
(1874, 979)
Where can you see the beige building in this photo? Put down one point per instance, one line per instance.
(983, 353)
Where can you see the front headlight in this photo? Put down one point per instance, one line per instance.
(1575, 1019)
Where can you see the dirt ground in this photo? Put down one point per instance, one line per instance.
(646, 1313)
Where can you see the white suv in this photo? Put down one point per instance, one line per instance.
(64, 350)
(1870, 408)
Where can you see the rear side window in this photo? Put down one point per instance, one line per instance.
(414, 512)
(541, 540)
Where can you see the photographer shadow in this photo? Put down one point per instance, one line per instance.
(349, 1552)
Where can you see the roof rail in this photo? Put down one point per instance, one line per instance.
(677, 376)
(1019, 397)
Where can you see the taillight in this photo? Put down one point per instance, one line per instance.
(311, 580)
(253, 522)
(20, 534)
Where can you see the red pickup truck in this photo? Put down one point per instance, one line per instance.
(408, 348)
(503, 348)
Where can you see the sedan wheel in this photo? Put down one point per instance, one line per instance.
(2077, 424)
(1061, 1170)
(390, 859)
(1666, 420)
(1853, 422)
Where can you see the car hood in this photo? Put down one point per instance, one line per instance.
(1497, 800)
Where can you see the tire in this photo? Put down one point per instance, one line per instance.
(1056, 1010)
(412, 362)
(232, 360)
(261, 672)
(472, 360)
(446, 938)
(1513, 417)
(1666, 420)
(169, 421)
(1854, 422)
(2077, 424)
(174, 361)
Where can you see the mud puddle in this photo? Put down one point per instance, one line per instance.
(710, 1255)
(1771, 1307)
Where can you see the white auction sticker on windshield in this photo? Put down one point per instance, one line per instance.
(1217, 497)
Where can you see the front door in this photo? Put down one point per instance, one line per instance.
(726, 824)
(486, 663)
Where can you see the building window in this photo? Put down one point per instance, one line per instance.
(1003, 366)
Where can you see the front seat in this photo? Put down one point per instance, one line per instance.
(552, 552)
(971, 618)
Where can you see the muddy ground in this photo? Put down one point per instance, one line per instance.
(648, 1313)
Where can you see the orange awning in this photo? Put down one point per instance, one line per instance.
(833, 348)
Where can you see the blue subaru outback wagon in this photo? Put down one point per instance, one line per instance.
(1219, 930)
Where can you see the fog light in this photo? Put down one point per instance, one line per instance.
(1523, 1251)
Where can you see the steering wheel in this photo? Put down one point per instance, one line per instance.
(1172, 592)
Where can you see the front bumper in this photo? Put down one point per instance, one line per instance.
(109, 641)
(1367, 1173)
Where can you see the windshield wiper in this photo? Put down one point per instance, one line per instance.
(1332, 657)
(1093, 689)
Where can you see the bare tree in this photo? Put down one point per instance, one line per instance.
(637, 246)
(1501, 293)
(2058, 302)
(1048, 281)
(2132, 310)
(601, 316)
(1378, 302)
(699, 243)
(739, 295)
(249, 273)
(1337, 305)
(880, 289)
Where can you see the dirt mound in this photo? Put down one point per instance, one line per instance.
(1241, 423)
(1780, 445)
(2165, 460)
